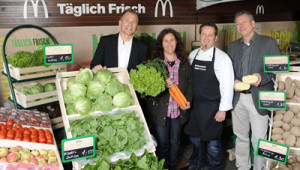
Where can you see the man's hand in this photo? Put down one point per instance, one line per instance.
(98, 67)
(258, 81)
(220, 116)
(188, 106)
(236, 81)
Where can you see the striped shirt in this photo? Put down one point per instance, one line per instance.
(173, 109)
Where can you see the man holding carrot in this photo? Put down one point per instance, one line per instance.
(213, 93)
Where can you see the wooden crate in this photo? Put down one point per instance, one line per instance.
(123, 76)
(34, 72)
(27, 101)
(32, 146)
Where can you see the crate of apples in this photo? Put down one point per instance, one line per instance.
(21, 155)
(12, 131)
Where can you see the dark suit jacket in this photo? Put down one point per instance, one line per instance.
(263, 45)
(107, 52)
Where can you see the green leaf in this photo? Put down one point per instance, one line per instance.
(133, 158)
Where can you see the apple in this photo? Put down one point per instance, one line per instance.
(18, 155)
(3, 152)
(43, 152)
(26, 150)
(51, 152)
(14, 149)
(25, 161)
(12, 157)
(25, 156)
(3, 159)
(35, 152)
(19, 147)
(33, 161)
(52, 161)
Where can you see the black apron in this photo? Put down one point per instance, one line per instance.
(206, 102)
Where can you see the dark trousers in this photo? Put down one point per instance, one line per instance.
(168, 142)
(206, 151)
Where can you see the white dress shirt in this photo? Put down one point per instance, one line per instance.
(224, 72)
(124, 50)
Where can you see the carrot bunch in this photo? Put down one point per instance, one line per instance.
(178, 96)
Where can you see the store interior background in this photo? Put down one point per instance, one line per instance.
(278, 19)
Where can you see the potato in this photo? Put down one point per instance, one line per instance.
(281, 86)
(296, 166)
(297, 83)
(297, 99)
(295, 131)
(297, 92)
(286, 134)
(290, 140)
(297, 144)
(286, 126)
(290, 92)
(279, 112)
(288, 82)
(277, 124)
(288, 116)
(250, 79)
(278, 117)
(295, 109)
(291, 160)
(276, 137)
(281, 142)
(242, 86)
(295, 122)
(277, 131)
(298, 158)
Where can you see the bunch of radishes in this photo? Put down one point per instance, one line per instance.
(20, 154)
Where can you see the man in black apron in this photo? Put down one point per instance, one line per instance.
(213, 93)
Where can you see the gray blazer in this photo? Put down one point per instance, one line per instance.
(263, 45)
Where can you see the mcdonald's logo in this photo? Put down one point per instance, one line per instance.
(163, 7)
(35, 8)
(260, 9)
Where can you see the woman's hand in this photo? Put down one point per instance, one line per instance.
(188, 106)
(169, 83)
(98, 68)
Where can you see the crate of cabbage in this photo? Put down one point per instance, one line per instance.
(26, 65)
(104, 104)
(35, 93)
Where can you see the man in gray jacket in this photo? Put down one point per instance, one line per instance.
(247, 58)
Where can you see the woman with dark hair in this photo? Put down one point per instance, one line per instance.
(167, 117)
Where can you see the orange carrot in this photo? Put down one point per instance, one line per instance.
(174, 92)
(180, 94)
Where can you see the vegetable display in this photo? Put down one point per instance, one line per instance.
(146, 161)
(149, 78)
(114, 133)
(88, 92)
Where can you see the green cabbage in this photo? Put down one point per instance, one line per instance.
(83, 105)
(122, 99)
(126, 89)
(78, 90)
(67, 96)
(84, 76)
(114, 87)
(95, 89)
(70, 81)
(104, 103)
(49, 87)
(25, 90)
(36, 88)
(70, 109)
(105, 76)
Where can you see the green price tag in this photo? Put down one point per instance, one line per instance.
(272, 100)
(78, 148)
(273, 151)
(58, 54)
(276, 63)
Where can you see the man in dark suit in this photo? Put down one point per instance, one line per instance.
(247, 58)
(122, 49)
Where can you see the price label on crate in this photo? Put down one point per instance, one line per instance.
(58, 54)
(276, 64)
(78, 148)
(272, 100)
(273, 151)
